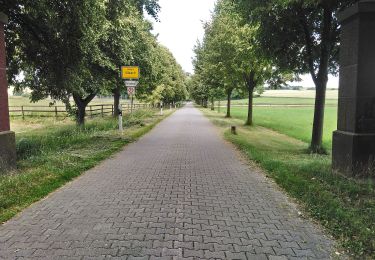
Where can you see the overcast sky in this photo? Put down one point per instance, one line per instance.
(181, 25)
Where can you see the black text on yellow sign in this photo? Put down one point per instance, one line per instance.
(130, 72)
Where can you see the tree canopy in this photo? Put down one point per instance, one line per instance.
(229, 57)
(70, 50)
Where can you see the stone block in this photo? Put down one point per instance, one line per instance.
(354, 154)
(7, 151)
(353, 149)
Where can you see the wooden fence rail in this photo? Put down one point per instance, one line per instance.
(60, 111)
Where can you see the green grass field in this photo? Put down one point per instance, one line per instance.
(344, 206)
(294, 122)
(280, 101)
(25, 101)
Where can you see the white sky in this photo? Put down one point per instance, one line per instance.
(181, 25)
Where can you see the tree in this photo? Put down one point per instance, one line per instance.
(128, 41)
(302, 36)
(55, 46)
(230, 50)
(167, 78)
(214, 59)
(249, 64)
(90, 40)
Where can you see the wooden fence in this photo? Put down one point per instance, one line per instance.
(60, 111)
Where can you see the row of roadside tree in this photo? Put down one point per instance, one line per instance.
(252, 43)
(72, 51)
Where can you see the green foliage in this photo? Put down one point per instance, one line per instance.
(168, 81)
(69, 49)
(229, 59)
(300, 36)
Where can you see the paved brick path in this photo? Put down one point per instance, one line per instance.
(180, 192)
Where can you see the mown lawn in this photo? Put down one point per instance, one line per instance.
(294, 122)
(52, 153)
(280, 101)
(344, 206)
(25, 101)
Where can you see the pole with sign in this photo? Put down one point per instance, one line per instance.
(131, 76)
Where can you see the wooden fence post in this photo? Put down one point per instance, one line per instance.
(91, 111)
(23, 113)
(56, 112)
(113, 111)
(102, 111)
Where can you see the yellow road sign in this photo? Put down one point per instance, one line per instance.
(130, 72)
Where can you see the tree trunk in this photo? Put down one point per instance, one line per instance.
(321, 81)
(116, 101)
(212, 104)
(249, 120)
(229, 93)
(317, 132)
(81, 114)
(81, 104)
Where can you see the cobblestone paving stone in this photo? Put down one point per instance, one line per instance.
(180, 192)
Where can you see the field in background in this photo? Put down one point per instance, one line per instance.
(330, 94)
(280, 101)
(294, 122)
(25, 101)
(287, 97)
(291, 112)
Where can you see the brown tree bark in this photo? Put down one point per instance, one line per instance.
(317, 133)
(116, 101)
(249, 120)
(229, 96)
(81, 104)
(319, 74)
(321, 82)
(251, 83)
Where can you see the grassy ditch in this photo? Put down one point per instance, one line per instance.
(51, 156)
(344, 206)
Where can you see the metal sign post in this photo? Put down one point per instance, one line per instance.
(131, 76)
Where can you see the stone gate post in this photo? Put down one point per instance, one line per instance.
(7, 138)
(354, 141)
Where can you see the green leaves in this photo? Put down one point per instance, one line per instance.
(65, 49)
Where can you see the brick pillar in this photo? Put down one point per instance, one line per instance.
(354, 141)
(4, 109)
(7, 138)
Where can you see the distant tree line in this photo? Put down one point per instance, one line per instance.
(72, 50)
(250, 43)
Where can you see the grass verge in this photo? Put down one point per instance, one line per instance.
(49, 157)
(344, 206)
